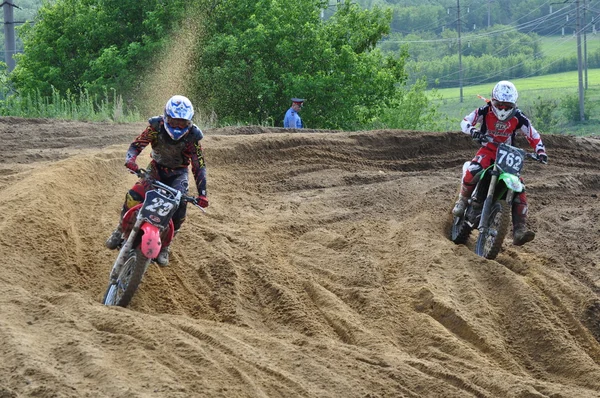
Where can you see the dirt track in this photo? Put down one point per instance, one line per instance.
(322, 269)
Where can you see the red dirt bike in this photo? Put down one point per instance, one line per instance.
(146, 228)
(489, 208)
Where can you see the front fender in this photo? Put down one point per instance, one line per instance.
(151, 243)
(512, 182)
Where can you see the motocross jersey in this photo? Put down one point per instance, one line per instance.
(502, 131)
(170, 154)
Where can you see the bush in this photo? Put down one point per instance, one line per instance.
(569, 105)
(411, 109)
(543, 112)
(69, 106)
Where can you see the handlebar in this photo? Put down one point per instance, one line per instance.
(143, 174)
(484, 139)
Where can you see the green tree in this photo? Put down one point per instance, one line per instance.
(3, 80)
(569, 104)
(92, 45)
(412, 109)
(422, 18)
(543, 112)
(259, 54)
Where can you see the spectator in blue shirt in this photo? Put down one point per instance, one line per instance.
(292, 118)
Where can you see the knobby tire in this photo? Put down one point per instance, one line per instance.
(490, 240)
(460, 230)
(129, 279)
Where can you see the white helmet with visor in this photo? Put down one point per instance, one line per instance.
(504, 100)
(178, 116)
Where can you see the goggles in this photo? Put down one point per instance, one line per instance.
(503, 105)
(178, 123)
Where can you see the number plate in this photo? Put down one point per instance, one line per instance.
(510, 159)
(158, 209)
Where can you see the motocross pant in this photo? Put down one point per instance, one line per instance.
(482, 160)
(175, 178)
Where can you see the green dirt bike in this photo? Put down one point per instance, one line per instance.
(490, 206)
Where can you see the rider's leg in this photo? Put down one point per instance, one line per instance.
(521, 234)
(180, 182)
(133, 197)
(470, 178)
(471, 175)
(115, 238)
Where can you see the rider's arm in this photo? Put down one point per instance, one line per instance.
(530, 133)
(471, 120)
(197, 160)
(141, 142)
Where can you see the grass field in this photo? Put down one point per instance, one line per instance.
(559, 46)
(555, 86)
(537, 85)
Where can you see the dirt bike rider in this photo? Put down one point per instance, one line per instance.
(175, 143)
(502, 124)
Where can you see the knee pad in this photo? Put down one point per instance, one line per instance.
(179, 216)
(177, 222)
(520, 199)
(519, 209)
(472, 173)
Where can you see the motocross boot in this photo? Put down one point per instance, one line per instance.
(163, 257)
(521, 234)
(460, 206)
(115, 238)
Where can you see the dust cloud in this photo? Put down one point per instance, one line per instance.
(172, 70)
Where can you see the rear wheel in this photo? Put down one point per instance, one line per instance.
(491, 238)
(121, 292)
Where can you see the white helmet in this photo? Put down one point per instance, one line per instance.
(178, 116)
(504, 99)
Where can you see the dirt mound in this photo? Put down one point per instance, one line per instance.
(322, 269)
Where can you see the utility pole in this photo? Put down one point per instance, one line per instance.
(460, 70)
(585, 67)
(489, 12)
(580, 62)
(579, 66)
(9, 34)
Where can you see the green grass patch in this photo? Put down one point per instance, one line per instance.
(69, 106)
(536, 85)
(553, 87)
(566, 46)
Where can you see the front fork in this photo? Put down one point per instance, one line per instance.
(489, 199)
(114, 273)
(484, 222)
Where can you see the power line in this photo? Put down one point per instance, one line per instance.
(538, 21)
(508, 28)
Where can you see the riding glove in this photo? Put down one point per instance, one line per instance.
(132, 165)
(202, 201)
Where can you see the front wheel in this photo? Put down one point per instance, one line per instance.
(460, 230)
(121, 292)
(491, 238)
